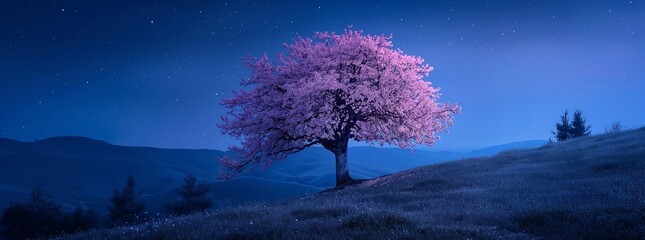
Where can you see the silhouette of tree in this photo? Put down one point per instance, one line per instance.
(126, 207)
(563, 129)
(578, 125)
(193, 197)
(81, 220)
(36, 218)
(568, 130)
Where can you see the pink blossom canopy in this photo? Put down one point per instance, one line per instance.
(321, 88)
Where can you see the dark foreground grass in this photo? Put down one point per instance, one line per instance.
(586, 188)
(611, 223)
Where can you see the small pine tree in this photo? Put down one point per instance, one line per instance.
(578, 125)
(563, 129)
(126, 206)
(194, 197)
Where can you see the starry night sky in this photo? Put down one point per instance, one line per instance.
(153, 74)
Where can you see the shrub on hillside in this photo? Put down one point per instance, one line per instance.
(42, 217)
(81, 220)
(193, 197)
(614, 127)
(126, 206)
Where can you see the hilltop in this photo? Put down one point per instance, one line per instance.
(585, 188)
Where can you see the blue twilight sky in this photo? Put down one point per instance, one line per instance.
(153, 74)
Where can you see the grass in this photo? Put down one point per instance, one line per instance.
(611, 223)
(585, 188)
(305, 214)
(366, 222)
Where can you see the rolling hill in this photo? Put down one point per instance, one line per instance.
(584, 188)
(79, 171)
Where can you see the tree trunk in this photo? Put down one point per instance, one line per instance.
(342, 168)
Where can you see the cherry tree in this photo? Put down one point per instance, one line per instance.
(326, 91)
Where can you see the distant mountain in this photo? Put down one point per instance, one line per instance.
(79, 171)
(82, 171)
(492, 150)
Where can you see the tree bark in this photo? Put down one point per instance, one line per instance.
(342, 168)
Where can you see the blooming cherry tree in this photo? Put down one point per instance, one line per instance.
(326, 91)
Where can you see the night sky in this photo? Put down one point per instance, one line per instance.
(153, 74)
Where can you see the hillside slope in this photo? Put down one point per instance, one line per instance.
(586, 188)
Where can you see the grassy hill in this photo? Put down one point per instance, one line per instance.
(585, 188)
